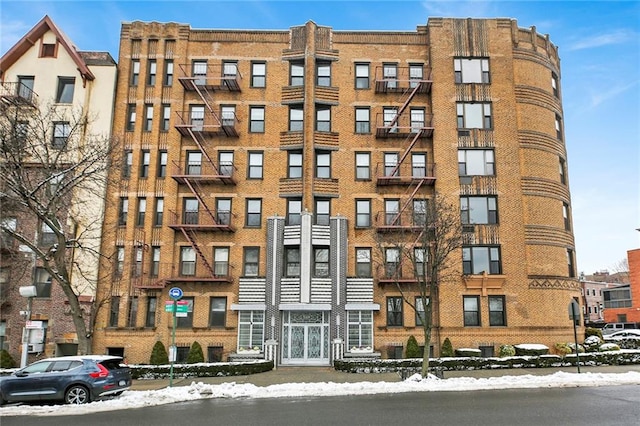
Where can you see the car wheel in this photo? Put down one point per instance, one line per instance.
(77, 395)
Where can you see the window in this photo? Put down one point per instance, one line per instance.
(197, 117)
(363, 262)
(25, 87)
(323, 71)
(144, 164)
(295, 165)
(321, 262)
(42, 282)
(162, 164)
(123, 211)
(9, 223)
(47, 50)
(256, 123)
(221, 261)
(199, 72)
(558, 127)
(394, 311)
(254, 212)
(362, 76)
(152, 306)
(151, 76)
(392, 262)
(47, 236)
(391, 164)
(258, 74)
(416, 72)
(296, 116)
(363, 124)
(297, 74)
(570, 263)
(133, 311)
(223, 211)
(155, 261)
(497, 315)
(417, 119)
(359, 329)
(565, 216)
(294, 208)
(323, 119)
(159, 212)
(471, 70)
(166, 116)
(64, 94)
(218, 312)
(142, 209)
(3, 334)
(135, 72)
(474, 115)
(418, 165)
(225, 163)
(554, 84)
(323, 164)
(255, 165)
(250, 329)
(419, 212)
(562, 172)
(471, 310)
(292, 262)
(392, 212)
(390, 75)
(476, 162)
(228, 115)
(187, 261)
(194, 163)
(119, 261)
(61, 132)
(323, 211)
(131, 117)
(420, 313)
(229, 68)
(363, 213)
(251, 262)
(478, 210)
(114, 311)
(389, 115)
(363, 165)
(137, 270)
(186, 322)
(617, 297)
(479, 259)
(168, 73)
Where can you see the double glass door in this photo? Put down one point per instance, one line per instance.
(305, 338)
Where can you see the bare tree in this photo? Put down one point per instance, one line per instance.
(54, 174)
(420, 259)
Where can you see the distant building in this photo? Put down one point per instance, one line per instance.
(44, 69)
(622, 303)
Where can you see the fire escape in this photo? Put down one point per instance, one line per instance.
(199, 171)
(408, 170)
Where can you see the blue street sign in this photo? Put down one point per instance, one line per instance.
(175, 293)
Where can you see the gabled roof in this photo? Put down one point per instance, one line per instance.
(30, 39)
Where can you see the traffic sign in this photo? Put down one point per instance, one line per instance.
(181, 306)
(175, 293)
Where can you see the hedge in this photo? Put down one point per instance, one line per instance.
(200, 370)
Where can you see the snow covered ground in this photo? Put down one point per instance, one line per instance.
(199, 390)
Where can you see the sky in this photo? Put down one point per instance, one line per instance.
(199, 390)
(599, 45)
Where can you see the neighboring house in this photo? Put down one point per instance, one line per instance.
(263, 168)
(592, 300)
(44, 70)
(622, 302)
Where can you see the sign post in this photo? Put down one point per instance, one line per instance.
(175, 294)
(574, 315)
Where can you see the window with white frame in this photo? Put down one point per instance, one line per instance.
(255, 164)
(362, 76)
(480, 259)
(360, 330)
(363, 262)
(478, 210)
(476, 162)
(363, 165)
(471, 70)
(363, 213)
(474, 115)
(256, 119)
(250, 330)
(258, 74)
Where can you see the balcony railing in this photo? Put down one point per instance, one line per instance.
(202, 221)
(204, 172)
(405, 174)
(404, 126)
(403, 80)
(406, 221)
(210, 77)
(207, 125)
(17, 93)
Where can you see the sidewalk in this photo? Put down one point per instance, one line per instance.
(328, 374)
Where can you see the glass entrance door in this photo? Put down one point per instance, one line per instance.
(305, 338)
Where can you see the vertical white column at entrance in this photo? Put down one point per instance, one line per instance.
(306, 251)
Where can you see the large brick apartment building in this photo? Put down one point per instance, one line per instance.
(263, 168)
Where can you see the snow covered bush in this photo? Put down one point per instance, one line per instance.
(563, 349)
(607, 347)
(592, 343)
(466, 352)
(531, 349)
(507, 350)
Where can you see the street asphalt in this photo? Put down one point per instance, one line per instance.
(328, 374)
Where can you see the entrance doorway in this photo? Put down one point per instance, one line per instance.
(305, 338)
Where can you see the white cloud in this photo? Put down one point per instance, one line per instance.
(12, 31)
(606, 93)
(615, 37)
